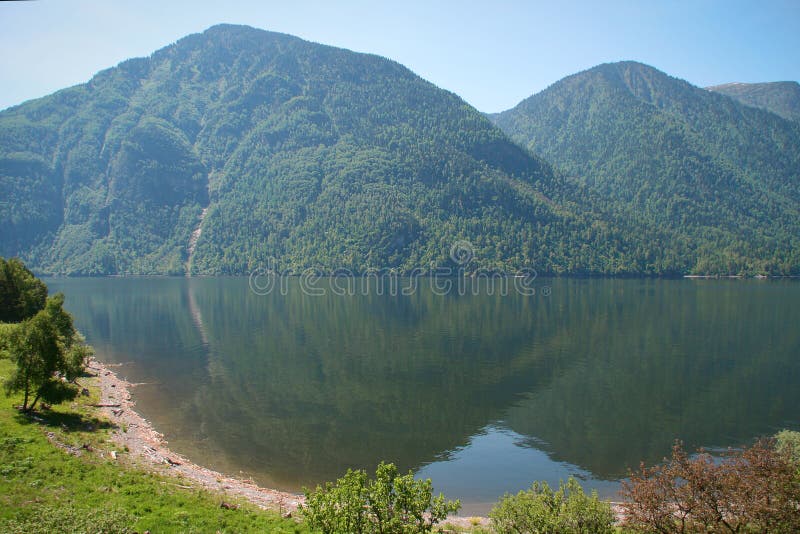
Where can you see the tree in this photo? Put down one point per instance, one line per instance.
(542, 510)
(753, 490)
(49, 354)
(21, 293)
(388, 504)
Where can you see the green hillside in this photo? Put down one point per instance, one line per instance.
(708, 183)
(239, 148)
(781, 98)
(300, 155)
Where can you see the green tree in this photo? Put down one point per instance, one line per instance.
(49, 354)
(388, 504)
(567, 510)
(21, 293)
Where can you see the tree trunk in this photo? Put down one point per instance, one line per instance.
(34, 401)
(27, 390)
(27, 384)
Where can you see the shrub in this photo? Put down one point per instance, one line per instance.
(542, 510)
(753, 490)
(388, 504)
(788, 442)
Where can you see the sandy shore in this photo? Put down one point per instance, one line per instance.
(148, 448)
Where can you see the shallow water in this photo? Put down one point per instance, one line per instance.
(484, 393)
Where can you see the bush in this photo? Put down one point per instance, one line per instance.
(788, 442)
(542, 510)
(388, 504)
(753, 490)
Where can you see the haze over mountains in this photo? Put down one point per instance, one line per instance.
(238, 148)
(781, 98)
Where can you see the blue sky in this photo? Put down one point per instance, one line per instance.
(493, 53)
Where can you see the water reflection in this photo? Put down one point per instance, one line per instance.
(483, 393)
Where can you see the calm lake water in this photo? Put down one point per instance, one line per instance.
(483, 393)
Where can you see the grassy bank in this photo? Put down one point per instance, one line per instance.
(58, 474)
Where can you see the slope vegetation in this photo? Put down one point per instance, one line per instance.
(781, 98)
(290, 154)
(701, 183)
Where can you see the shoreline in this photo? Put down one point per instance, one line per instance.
(148, 449)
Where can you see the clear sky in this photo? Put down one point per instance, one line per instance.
(492, 53)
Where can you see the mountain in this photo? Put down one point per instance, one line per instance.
(702, 183)
(781, 98)
(238, 148)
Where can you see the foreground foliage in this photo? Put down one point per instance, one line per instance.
(390, 503)
(49, 354)
(564, 511)
(754, 490)
(45, 346)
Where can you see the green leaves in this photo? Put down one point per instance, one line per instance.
(390, 503)
(21, 294)
(47, 350)
(541, 510)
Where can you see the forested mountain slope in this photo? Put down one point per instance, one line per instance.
(238, 148)
(710, 182)
(300, 155)
(781, 98)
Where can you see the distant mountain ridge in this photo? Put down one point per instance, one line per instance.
(239, 148)
(781, 98)
(714, 183)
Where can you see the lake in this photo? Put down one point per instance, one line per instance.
(481, 391)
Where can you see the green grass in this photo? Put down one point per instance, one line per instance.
(44, 488)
